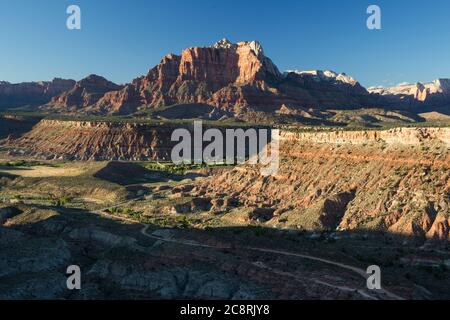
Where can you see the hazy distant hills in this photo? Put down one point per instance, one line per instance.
(31, 93)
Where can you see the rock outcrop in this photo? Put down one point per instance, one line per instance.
(84, 93)
(419, 91)
(13, 125)
(37, 246)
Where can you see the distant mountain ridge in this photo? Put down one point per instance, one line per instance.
(435, 93)
(418, 90)
(235, 78)
(31, 93)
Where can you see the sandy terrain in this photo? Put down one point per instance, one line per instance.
(43, 171)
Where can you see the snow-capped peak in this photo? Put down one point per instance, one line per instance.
(325, 75)
(224, 44)
(255, 46)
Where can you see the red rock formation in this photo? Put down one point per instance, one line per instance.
(84, 93)
(240, 64)
(420, 93)
(156, 84)
(353, 180)
(214, 75)
(123, 101)
(231, 77)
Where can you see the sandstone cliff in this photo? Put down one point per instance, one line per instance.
(233, 77)
(83, 140)
(228, 76)
(395, 181)
(91, 140)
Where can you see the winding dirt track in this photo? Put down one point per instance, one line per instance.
(184, 242)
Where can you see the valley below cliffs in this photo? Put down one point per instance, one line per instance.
(103, 194)
(393, 180)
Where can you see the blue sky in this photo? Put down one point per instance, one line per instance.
(123, 39)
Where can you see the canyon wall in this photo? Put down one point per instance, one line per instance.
(87, 140)
(402, 136)
(395, 180)
(91, 140)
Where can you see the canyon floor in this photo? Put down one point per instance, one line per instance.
(144, 229)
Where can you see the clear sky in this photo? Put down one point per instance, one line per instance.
(123, 39)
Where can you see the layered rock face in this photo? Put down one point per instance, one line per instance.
(78, 140)
(124, 101)
(223, 65)
(31, 93)
(85, 140)
(224, 75)
(395, 181)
